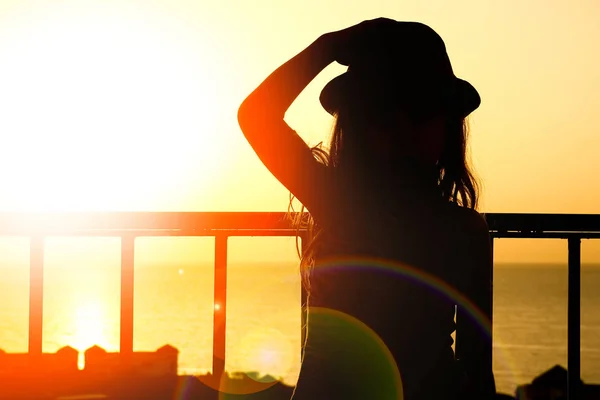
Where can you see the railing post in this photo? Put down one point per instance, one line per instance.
(220, 306)
(491, 310)
(36, 294)
(574, 319)
(127, 279)
(303, 299)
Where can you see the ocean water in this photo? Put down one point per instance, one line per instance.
(174, 304)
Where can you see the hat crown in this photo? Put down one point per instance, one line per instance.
(409, 50)
(404, 62)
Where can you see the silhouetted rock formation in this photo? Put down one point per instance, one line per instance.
(162, 362)
(37, 376)
(63, 361)
(139, 375)
(553, 385)
(153, 376)
(503, 396)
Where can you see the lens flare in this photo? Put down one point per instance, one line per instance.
(432, 283)
(344, 348)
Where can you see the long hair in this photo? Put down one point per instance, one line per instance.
(456, 179)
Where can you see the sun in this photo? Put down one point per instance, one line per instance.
(266, 351)
(89, 326)
(105, 107)
(89, 330)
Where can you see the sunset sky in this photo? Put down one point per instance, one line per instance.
(131, 105)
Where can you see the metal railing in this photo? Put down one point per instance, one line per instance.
(222, 225)
(573, 228)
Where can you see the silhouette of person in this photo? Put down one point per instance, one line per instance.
(398, 250)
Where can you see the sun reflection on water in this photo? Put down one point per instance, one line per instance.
(89, 329)
(266, 351)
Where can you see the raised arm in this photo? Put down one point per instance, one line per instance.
(473, 340)
(261, 118)
(261, 115)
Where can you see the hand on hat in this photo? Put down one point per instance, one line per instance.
(355, 42)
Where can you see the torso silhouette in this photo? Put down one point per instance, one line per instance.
(387, 259)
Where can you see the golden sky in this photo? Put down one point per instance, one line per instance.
(131, 104)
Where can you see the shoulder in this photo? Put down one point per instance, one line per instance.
(471, 236)
(472, 251)
(469, 221)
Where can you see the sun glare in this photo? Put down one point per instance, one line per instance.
(267, 351)
(103, 108)
(89, 329)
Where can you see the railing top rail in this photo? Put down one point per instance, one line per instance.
(58, 222)
(505, 222)
(139, 221)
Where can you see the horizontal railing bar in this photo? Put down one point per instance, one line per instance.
(545, 235)
(142, 220)
(543, 222)
(274, 233)
(21, 223)
(152, 233)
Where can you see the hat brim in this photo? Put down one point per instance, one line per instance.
(463, 99)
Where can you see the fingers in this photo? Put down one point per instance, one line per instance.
(356, 41)
(381, 21)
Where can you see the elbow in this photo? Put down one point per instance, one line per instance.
(244, 117)
(251, 120)
(255, 116)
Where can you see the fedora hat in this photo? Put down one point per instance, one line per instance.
(406, 62)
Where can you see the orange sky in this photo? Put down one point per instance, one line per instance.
(131, 105)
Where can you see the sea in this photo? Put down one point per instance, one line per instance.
(173, 304)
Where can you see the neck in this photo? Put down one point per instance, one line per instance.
(406, 177)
